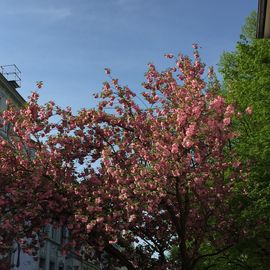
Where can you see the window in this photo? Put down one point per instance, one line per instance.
(52, 266)
(42, 264)
(64, 235)
(54, 234)
(61, 266)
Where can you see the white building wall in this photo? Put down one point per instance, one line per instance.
(21, 260)
(49, 257)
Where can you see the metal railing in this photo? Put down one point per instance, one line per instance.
(12, 74)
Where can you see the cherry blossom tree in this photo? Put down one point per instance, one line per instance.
(139, 177)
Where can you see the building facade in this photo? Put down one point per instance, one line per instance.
(49, 257)
(263, 19)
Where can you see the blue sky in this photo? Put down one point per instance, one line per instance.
(68, 43)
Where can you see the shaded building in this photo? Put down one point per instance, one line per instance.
(49, 257)
(263, 19)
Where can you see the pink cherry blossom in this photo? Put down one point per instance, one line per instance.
(147, 169)
(174, 148)
(227, 121)
(249, 110)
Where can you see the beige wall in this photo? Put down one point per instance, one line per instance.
(267, 21)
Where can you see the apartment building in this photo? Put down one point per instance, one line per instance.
(49, 257)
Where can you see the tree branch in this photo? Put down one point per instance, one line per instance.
(110, 249)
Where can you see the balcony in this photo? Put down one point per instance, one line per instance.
(12, 74)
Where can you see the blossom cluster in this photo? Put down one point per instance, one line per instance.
(162, 173)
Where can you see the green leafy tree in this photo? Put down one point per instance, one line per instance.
(249, 28)
(246, 74)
